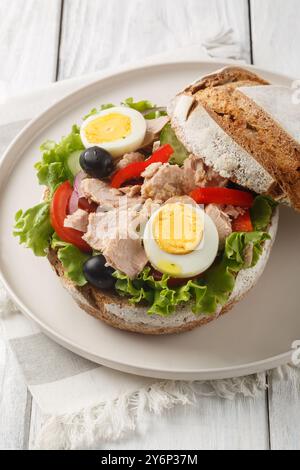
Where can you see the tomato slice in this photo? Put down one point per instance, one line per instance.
(87, 206)
(218, 195)
(243, 223)
(58, 213)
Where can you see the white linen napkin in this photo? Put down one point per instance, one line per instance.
(101, 404)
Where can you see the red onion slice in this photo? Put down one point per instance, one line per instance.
(77, 181)
(73, 203)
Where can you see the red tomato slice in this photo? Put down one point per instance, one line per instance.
(243, 223)
(58, 213)
(87, 206)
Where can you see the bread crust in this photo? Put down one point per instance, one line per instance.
(252, 128)
(224, 76)
(118, 313)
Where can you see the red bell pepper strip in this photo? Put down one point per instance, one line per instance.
(58, 213)
(226, 196)
(134, 170)
(243, 223)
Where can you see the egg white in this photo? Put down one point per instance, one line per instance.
(119, 147)
(190, 264)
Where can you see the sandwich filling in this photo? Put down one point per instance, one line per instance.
(128, 209)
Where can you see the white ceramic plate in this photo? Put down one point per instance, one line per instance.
(255, 336)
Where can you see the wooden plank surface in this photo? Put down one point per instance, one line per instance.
(97, 34)
(284, 410)
(276, 35)
(212, 424)
(29, 37)
(15, 403)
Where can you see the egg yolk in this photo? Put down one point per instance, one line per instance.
(177, 228)
(108, 128)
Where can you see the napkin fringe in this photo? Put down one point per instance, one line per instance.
(116, 419)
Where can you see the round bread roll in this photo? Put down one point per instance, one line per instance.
(243, 128)
(117, 312)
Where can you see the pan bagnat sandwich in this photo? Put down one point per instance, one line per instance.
(157, 222)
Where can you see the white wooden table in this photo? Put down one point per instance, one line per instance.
(43, 41)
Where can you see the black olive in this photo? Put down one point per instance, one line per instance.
(97, 162)
(97, 274)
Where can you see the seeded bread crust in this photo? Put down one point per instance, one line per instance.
(196, 126)
(223, 77)
(252, 128)
(117, 312)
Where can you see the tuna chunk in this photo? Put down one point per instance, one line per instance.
(182, 199)
(233, 211)
(222, 222)
(162, 181)
(78, 220)
(115, 234)
(101, 193)
(131, 191)
(126, 255)
(154, 127)
(102, 226)
(149, 207)
(196, 173)
(128, 158)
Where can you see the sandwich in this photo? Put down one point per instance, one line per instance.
(159, 220)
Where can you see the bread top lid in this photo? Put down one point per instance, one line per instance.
(259, 121)
(279, 103)
(202, 136)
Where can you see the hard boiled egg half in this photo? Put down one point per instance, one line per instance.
(181, 240)
(118, 130)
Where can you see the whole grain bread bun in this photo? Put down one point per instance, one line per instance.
(245, 128)
(117, 312)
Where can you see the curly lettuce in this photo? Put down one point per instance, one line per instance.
(206, 293)
(261, 212)
(97, 110)
(72, 260)
(33, 228)
(53, 168)
(168, 136)
(146, 107)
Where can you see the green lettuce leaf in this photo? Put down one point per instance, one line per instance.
(146, 107)
(72, 260)
(101, 108)
(53, 168)
(168, 136)
(213, 289)
(261, 212)
(33, 228)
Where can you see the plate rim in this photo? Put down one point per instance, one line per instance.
(45, 118)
